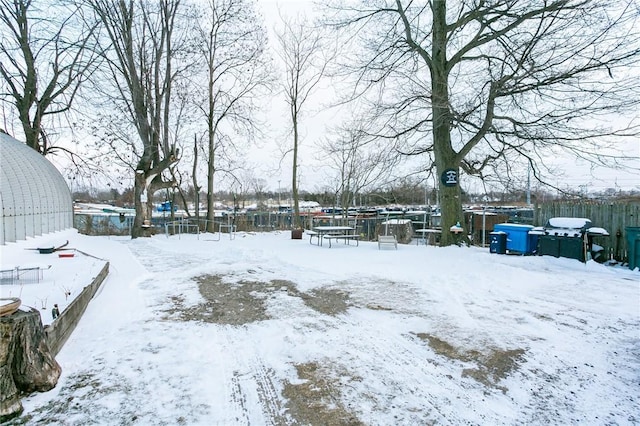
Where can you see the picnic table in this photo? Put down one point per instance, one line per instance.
(329, 233)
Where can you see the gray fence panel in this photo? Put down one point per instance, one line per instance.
(614, 217)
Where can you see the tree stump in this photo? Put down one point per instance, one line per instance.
(26, 363)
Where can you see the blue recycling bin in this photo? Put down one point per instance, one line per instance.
(498, 242)
(518, 238)
(633, 246)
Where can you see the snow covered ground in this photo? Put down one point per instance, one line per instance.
(265, 330)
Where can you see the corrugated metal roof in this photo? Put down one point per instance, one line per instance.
(34, 196)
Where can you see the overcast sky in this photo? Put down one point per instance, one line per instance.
(265, 160)
(314, 125)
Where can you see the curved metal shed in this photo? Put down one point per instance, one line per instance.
(34, 196)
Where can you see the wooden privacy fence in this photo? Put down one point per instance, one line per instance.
(613, 217)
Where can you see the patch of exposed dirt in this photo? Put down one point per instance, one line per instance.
(315, 401)
(244, 302)
(232, 304)
(327, 301)
(495, 366)
(492, 366)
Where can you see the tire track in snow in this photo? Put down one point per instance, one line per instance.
(238, 399)
(248, 380)
(250, 385)
(363, 354)
(267, 394)
(401, 379)
(383, 361)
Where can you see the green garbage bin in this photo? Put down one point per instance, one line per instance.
(633, 245)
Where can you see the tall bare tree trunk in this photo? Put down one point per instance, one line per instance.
(294, 181)
(230, 44)
(445, 156)
(211, 169)
(143, 203)
(301, 50)
(140, 55)
(194, 177)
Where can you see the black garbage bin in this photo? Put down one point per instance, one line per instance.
(498, 242)
(549, 245)
(573, 248)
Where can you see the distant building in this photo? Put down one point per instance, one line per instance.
(34, 196)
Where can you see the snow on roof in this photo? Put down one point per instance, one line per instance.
(514, 225)
(569, 222)
(597, 231)
(97, 206)
(396, 221)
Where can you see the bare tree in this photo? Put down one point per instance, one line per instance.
(359, 161)
(140, 57)
(245, 183)
(258, 185)
(194, 177)
(482, 82)
(301, 50)
(44, 59)
(231, 47)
